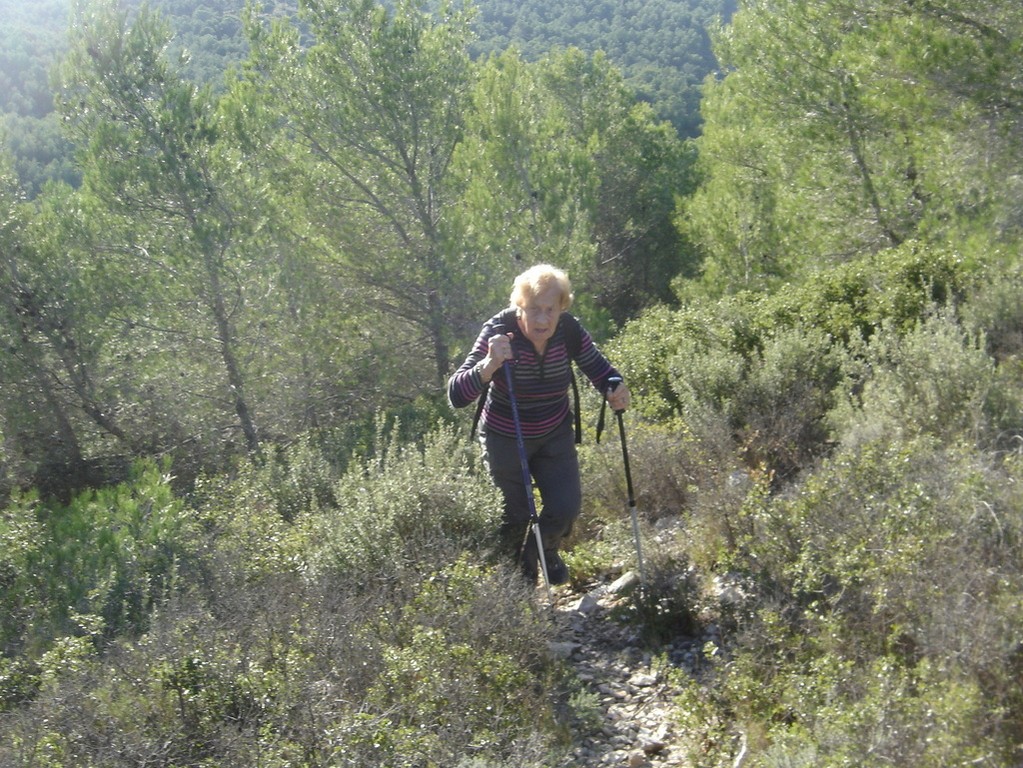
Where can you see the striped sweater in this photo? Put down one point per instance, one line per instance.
(541, 381)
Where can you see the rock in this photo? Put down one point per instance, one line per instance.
(587, 605)
(624, 582)
(643, 679)
(614, 666)
(562, 650)
(651, 746)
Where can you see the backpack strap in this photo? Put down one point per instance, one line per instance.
(573, 343)
(480, 402)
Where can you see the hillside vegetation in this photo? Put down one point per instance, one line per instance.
(662, 49)
(242, 527)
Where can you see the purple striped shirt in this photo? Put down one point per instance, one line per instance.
(541, 381)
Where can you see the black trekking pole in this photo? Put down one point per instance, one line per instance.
(612, 383)
(534, 520)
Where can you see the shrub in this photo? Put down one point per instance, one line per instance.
(462, 664)
(407, 506)
(886, 613)
(718, 366)
(283, 671)
(850, 302)
(103, 560)
(934, 380)
(779, 410)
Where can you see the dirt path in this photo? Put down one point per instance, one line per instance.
(626, 693)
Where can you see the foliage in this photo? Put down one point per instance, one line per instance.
(881, 578)
(935, 380)
(29, 131)
(404, 506)
(262, 655)
(368, 118)
(95, 568)
(266, 276)
(820, 146)
(662, 48)
(574, 173)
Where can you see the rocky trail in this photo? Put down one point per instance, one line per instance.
(625, 680)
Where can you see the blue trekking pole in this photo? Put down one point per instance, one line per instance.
(534, 520)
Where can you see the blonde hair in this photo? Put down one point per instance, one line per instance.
(538, 279)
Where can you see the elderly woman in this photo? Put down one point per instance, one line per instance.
(540, 340)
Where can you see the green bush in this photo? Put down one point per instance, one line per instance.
(406, 506)
(719, 369)
(886, 603)
(850, 302)
(285, 671)
(461, 664)
(995, 311)
(778, 410)
(934, 380)
(96, 566)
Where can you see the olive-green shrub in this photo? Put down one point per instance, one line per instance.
(884, 613)
(407, 505)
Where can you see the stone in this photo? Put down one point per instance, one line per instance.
(587, 605)
(624, 582)
(650, 745)
(562, 650)
(611, 662)
(643, 679)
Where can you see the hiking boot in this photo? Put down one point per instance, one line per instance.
(557, 571)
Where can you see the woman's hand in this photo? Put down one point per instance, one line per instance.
(498, 351)
(619, 398)
(500, 348)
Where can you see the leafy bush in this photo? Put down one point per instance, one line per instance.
(886, 605)
(850, 302)
(461, 665)
(994, 310)
(777, 411)
(288, 672)
(768, 387)
(934, 380)
(406, 505)
(96, 566)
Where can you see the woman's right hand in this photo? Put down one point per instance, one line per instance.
(499, 348)
(498, 351)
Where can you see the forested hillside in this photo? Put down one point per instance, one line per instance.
(242, 526)
(31, 36)
(662, 48)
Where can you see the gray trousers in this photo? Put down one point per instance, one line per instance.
(554, 468)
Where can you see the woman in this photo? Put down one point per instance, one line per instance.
(539, 340)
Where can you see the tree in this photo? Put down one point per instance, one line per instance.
(836, 132)
(527, 177)
(562, 164)
(640, 167)
(37, 422)
(370, 114)
(149, 153)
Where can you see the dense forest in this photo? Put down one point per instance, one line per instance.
(662, 49)
(240, 523)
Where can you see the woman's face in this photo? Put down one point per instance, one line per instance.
(539, 317)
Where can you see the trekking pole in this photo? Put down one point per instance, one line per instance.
(612, 383)
(534, 520)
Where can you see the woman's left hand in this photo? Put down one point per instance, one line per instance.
(619, 397)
